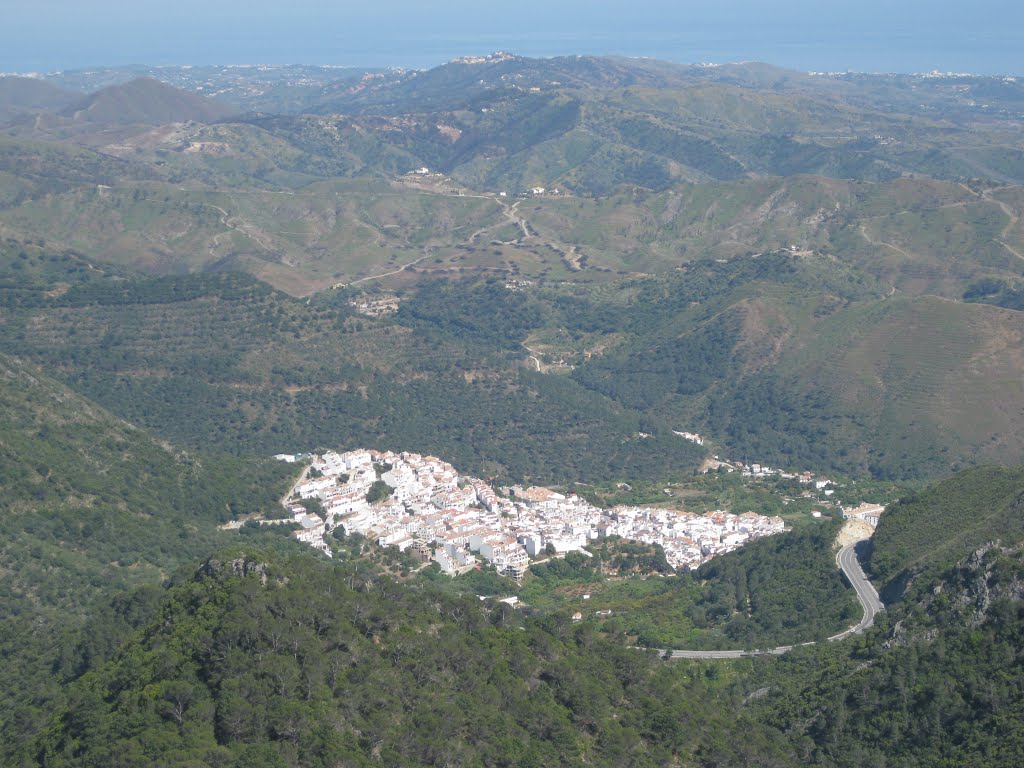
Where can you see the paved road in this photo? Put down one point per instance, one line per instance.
(847, 561)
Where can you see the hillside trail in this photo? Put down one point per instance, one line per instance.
(871, 241)
(1010, 213)
(402, 268)
(533, 355)
(510, 215)
(228, 221)
(513, 217)
(1013, 220)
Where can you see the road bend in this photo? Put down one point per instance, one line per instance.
(847, 561)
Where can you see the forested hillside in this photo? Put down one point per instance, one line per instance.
(794, 360)
(925, 533)
(938, 681)
(93, 507)
(798, 361)
(255, 658)
(940, 686)
(223, 362)
(257, 661)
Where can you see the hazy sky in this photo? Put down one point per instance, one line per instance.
(869, 35)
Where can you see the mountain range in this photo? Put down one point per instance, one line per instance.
(670, 196)
(547, 271)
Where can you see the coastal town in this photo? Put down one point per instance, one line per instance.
(421, 504)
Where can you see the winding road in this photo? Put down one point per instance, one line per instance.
(533, 355)
(847, 561)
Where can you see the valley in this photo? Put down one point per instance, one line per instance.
(685, 331)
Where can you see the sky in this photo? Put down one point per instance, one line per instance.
(983, 37)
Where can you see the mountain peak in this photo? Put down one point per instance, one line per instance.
(146, 101)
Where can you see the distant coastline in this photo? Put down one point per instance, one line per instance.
(886, 54)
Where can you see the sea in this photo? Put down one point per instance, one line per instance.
(867, 37)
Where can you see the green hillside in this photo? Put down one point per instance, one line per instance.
(921, 236)
(796, 360)
(590, 141)
(93, 507)
(223, 362)
(942, 686)
(899, 387)
(60, 451)
(90, 494)
(256, 204)
(605, 121)
(938, 681)
(145, 101)
(33, 168)
(656, 165)
(924, 534)
(257, 659)
(327, 234)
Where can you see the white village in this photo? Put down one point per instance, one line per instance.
(421, 504)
